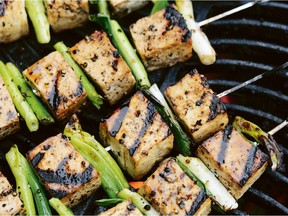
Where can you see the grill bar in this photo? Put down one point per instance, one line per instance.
(277, 176)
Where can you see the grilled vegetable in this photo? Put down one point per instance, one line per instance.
(13, 19)
(61, 209)
(9, 121)
(162, 39)
(266, 139)
(55, 81)
(93, 96)
(66, 14)
(104, 65)
(36, 12)
(235, 162)
(22, 185)
(39, 109)
(21, 105)
(205, 179)
(123, 7)
(108, 202)
(9, 200)
(196, 105)
(172, 192)
(159, 5)
(137, 135)
(200, 42)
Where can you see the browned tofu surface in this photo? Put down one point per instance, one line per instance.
(233, 159)
(10, 203)
(162, 39)
(196, 105)
(57, 84)
(64, 173)
(9, 121)
(13, 20)
(124, 7)
(104, 65)
(171, 192)
(66, 14)
(125, 208)
(137, 135)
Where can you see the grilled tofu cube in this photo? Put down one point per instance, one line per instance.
(13, 20)
(162, 39)
(197, 107)
(233, 159)
(10, 203)
(66, 14)
(171, 192)
(137, 135)
(124, 7)
(9, 120)
(57, 84)
(126, 208)
(103, 64)
(64, 173)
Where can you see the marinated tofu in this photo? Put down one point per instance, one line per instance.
(64, 173)
(171, 192)
(123, 7)
(10, 203)
(233, 159)
(9, 120)
(104, 65)
(197, 106)
(55, 81)
(13, 20)
(137, 135)
(125, 208)
(162, 39)
(66, 14)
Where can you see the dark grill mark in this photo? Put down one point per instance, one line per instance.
(224, 144)
(79, 90)
(58, 193)
(118, 122)
(248, 170)
(116, 54)
(176, 19)
(197, 202)
(147, 122)
(3, 5)
(115, 64)
(216, 107)
(53, 98)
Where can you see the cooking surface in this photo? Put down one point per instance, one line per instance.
(247, 44)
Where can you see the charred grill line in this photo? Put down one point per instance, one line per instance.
(224, 144)
(118, 122)
(248, 169)
(202, 196)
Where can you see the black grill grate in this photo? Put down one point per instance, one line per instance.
(247, 44)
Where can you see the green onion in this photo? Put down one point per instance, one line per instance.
(246, 127)
(205, 179)
(19, 101)
(36, 105)
(159, 5)
(36, 12)
(108, 202)
(23, 189)
(61, 209)
(92, 94)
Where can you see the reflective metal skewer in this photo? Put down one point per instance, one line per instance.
(278, 127)
(235, 10)
(254, 79)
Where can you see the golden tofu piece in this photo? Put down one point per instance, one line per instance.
(66, 14)
(104, 65)
(64, 173)
(9, 120)
(124, 7)
(171, 192)
(56, 83)
(235, 162)
(13, 20)
(137, 135)
(196, 105)
(125, 208)
(10, 203)
(162, 39)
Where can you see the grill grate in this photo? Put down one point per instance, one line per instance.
(247, 44)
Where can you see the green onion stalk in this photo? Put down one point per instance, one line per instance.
(59, 207)
(19, 101)
(36, 105)
(266, 139)
(121, 42)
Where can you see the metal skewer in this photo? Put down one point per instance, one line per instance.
(235, 10)
(254, 79)
(278, 127)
